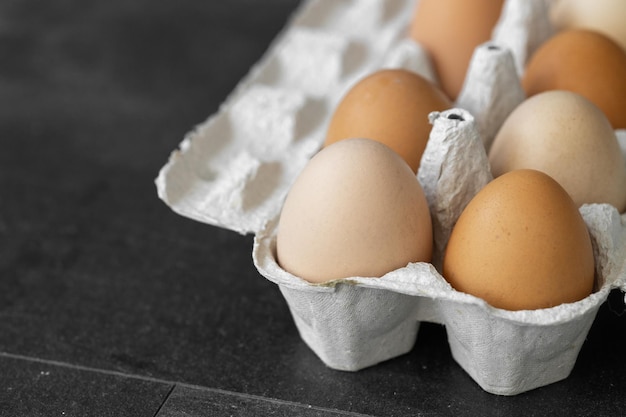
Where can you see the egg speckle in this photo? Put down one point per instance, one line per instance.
(521, 244)
(356, 209)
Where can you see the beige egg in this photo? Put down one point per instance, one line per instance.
(569, 138)
(521, 244)
(390, 106)
(356, 209)
(450, 30)
(604, 16)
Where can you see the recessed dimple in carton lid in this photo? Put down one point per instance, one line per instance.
(312, 61)
(361, 19)
(411, 56)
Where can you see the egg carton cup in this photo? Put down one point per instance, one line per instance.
(235, 169)
(357, 322)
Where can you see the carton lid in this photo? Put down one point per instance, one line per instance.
(233, 170)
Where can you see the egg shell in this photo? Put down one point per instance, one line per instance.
(390, 106)
(604, 16)
(521, 244)
(236, 177)
(569, 138)
(355, 210)
(450, 30)
(584, 62)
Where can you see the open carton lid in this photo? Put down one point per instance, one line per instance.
(234, 170)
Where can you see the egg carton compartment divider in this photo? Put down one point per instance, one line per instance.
(234, 171)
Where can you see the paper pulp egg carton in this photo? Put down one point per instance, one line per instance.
(235, 169)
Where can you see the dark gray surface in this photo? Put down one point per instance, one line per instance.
(32, 388)
(192, 402)
(119, 298)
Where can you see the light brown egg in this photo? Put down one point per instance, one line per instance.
(521, 244)
(604, 16)
(585, 62)
(356, 209)
(392, 107)
(566, 136)
(450, 30)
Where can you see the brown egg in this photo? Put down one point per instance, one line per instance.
(356, 209)
(450, 30)
(392, 107)
(521, 244)
(604, 16)
(566, 136)
(585, 62)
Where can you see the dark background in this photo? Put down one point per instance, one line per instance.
(112, 305)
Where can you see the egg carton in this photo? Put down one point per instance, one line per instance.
(235, 169)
